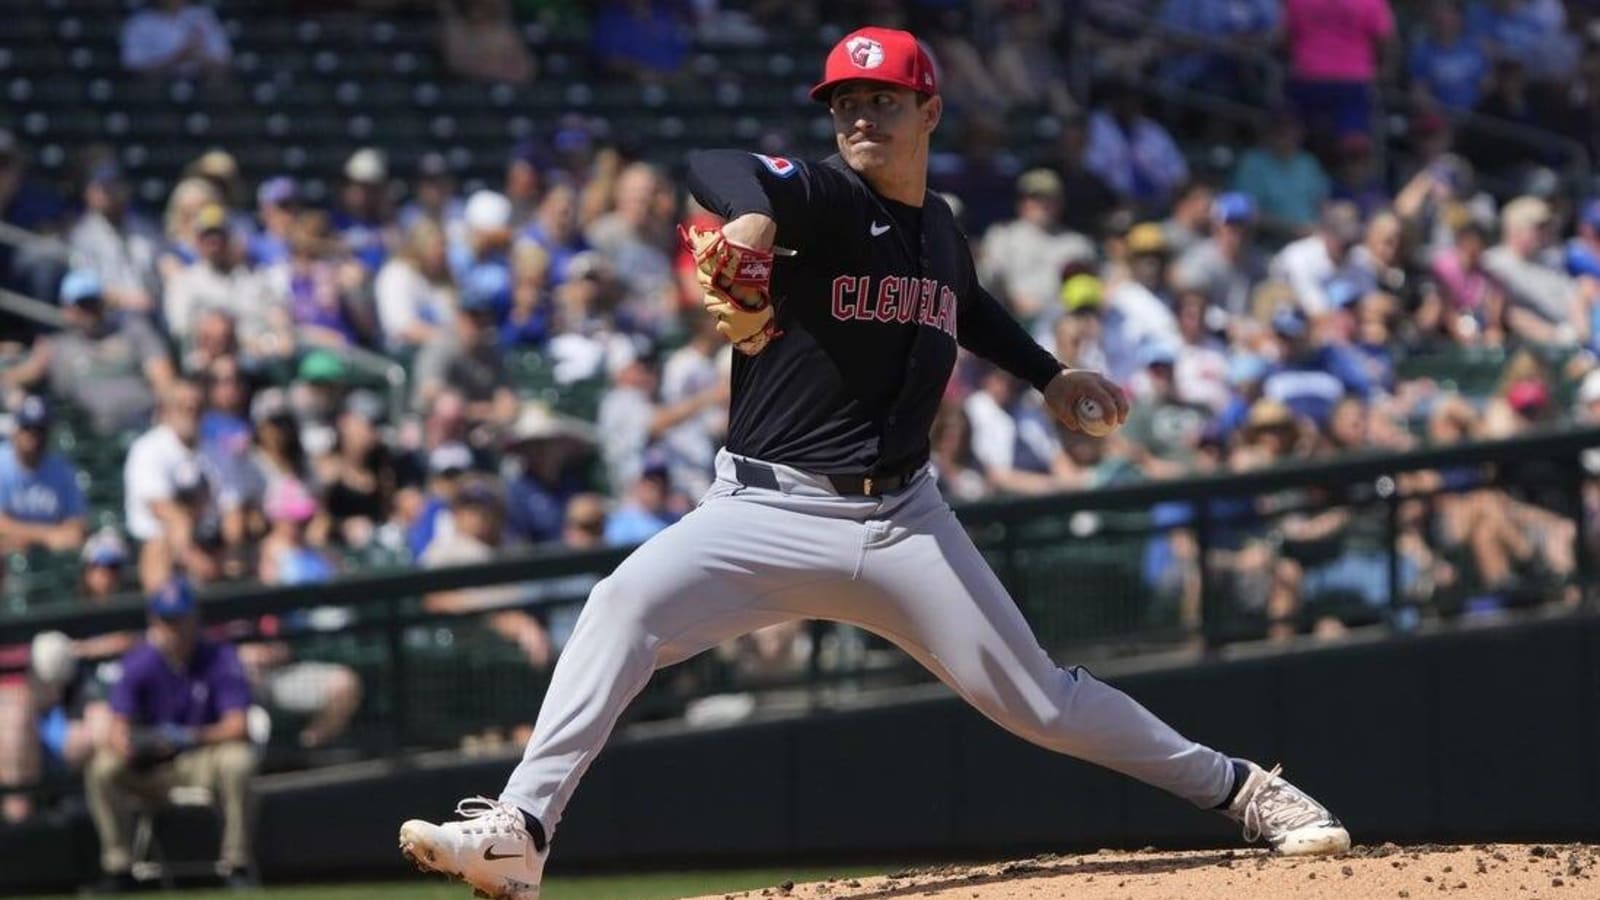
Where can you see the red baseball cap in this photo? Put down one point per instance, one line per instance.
(877, 54)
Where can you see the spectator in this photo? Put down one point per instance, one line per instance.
(1582, 258)
(51, 719)
(286, 557)
(476, 537)
(219, 280)
(1026, 63)
(1012, 441)
(1200, 363)
(1315, 261)
(554, 228)
(950, 447)
(1091, 197)
(176, 38)
(447, 464)
(178, 718)
(434, 199)
(531, 319)
(548, 451)
(644, 509)
(1139, 313)
(1472, 304)
(40, 503)
(1191, 212)
(487, 218)
(640, 39)
(1079, 336)
(1356, 177)
(1530, 32)
(1227, 265)
(1283, 178)
(360, 478)
(104, 557)
(1135, 155)
(178, 221)
(1335, 51)
(1544, 303)
(969, 82)
(278, 451)
(318, 284)
(481, 42)
(277, 205)
(1447, 67)
(525, 178)
(116, 243)
(414, 290)
(1311, 376)
(363, 218)
(1247, 25)
(31, 268)
(111, 369)
(1163, 432)
(1021, 260)
(467, 357)
(630, 422)
(702, 365)
(168, 497)
(636, 240)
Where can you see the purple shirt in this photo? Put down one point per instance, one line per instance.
(150, 692)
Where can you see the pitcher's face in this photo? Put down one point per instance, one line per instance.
(881, 128)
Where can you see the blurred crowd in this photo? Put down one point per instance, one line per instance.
(563, 388)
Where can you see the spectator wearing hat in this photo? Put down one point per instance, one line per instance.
(360, 477)
(362, 217)
(1311, 375)
(467, 356)
(285, 555)
(1079, 334)
(277, 202)
(476, 536)
(104, 559)
(176, 37)
(1544, 303)
(1582, 257)
(169, 508)
(1335, 50)
(276, 451)
(1226, 265)
(646, 508)
(415, 291)
(178, 718)
(1284, 179)
(548, 452)
(1311, 263)
(116, 243)
(1020, 260)
(554, 228)
(434, 198)
(482, 43)
(1138, 312)
(1133, 153)
(112, 368)
(180, 221)
(219, 280)
(1163, 433)
(40, 503)
(488, 222)
(640, 242)
(448, 464)
(1447, 66)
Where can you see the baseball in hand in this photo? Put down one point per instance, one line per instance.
(1092, 419)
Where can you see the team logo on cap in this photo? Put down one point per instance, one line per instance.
(865, 52)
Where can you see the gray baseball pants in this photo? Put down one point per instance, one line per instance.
(900, 566)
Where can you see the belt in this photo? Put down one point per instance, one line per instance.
(876, 484)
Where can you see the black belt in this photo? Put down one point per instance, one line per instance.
(876, 484)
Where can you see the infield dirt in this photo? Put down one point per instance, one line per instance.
(1477, 871)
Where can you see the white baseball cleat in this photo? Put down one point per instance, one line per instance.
(489, 848)
(1273, 810)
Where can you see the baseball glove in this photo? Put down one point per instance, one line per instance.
(737, 284)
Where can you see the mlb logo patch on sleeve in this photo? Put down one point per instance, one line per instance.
(777, 165)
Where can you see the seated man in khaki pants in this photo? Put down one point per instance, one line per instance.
(178, 720)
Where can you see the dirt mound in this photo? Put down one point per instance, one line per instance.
(1478, 871)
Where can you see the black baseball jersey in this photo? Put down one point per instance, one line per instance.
(872, 306)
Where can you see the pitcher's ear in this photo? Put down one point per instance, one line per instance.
(932, 110)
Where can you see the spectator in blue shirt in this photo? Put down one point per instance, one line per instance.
(1249, 24)
(362, 217)
(1283, 178)
(554, 229)
(178, 718)
(1446, 66)
(1531, 32)
(1312, 377)
(277, 202)
(643, 512)
(40, 503)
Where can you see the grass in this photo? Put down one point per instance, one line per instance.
(661, 886)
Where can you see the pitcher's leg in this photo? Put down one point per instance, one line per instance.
(944, 606)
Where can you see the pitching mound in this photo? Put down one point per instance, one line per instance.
(1479, 871)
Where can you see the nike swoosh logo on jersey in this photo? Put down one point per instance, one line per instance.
(491, 856)
(877, 229)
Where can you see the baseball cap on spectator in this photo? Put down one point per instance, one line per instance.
(1083, 293)
(365, 405)
(487, 211)
(877, 54)
(1343, 293)
(1158, 353)
(279, 191)
(485, 288)
(1523, 213)
(1245, 368)
(211, 217)
(33, 413)
(80, 286)
(1146, 238)
(1341, 220)
(270, 403)
(450, 458)
(1233, 208)
(105, 548)
(321, 366)
(1290, 323)
(367, 166)
(1040, 183)
(173, 599)
(1528, 395)
(288, 500)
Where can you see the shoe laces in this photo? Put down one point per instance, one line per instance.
(1276, 806)
(485, 816)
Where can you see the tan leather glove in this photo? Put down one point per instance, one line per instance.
(737, 283)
